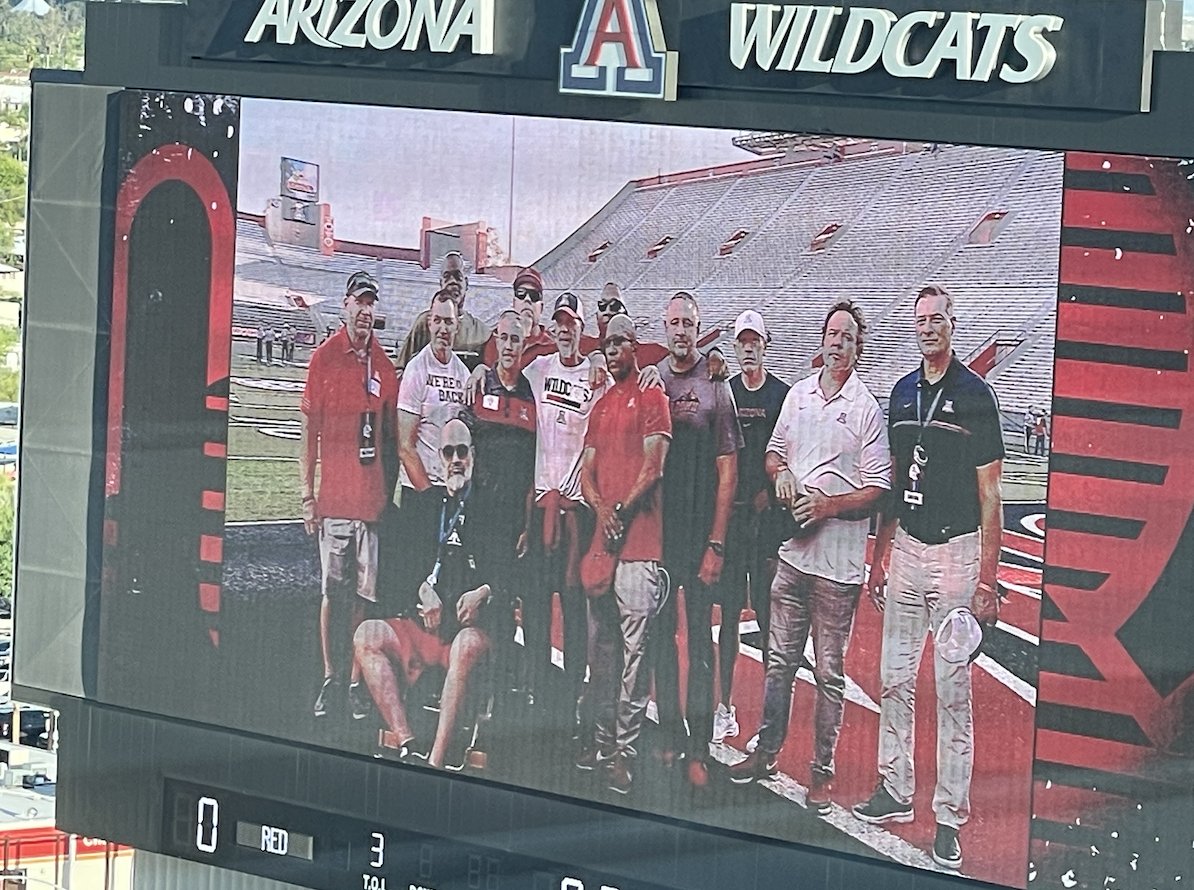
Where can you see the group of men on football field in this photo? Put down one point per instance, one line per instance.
(635, 483)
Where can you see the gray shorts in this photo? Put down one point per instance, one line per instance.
(343, 545)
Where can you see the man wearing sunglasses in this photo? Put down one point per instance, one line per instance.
(348, 431)
(609, 304)
(471, 332)
(452, 623)
(528, 303)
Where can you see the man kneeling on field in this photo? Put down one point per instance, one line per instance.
(452, 625)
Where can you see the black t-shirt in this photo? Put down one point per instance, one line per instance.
(502, 422)
(704, 427)
(758, 410)
(957, 436)
(462, 567)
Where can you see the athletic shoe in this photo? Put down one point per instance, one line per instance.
(456, 757)
(882, 807)
(947, 852)
(757, 765)
(590, 758)
(819, 792)
(325, 693)
(725, 723)
(358, 701)
(752, 744)
(620, 776)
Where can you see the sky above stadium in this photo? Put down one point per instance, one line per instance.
(534, 180)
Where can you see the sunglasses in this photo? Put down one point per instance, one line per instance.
(615, 306)
(459, 451)
(526, 293)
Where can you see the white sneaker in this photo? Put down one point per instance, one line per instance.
(752, 744)
(725, 723)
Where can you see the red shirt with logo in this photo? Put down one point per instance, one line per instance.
(340, 389)
(621, 419)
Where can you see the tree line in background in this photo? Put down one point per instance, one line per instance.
(53, 40)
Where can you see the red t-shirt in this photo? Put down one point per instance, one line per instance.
(621, 419)
(334, 399)
(542, 344)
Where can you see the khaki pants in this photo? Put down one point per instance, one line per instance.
(926, 582)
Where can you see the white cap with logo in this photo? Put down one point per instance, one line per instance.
(750, 320)
(958, 637)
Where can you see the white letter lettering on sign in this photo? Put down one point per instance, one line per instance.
(356, 24)
(802, 37)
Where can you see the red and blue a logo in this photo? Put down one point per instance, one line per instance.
(619, 50)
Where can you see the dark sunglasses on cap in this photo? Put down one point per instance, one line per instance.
(459, 451)
(615, 306)
(528, 293)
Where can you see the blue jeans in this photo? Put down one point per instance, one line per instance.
(800, 603)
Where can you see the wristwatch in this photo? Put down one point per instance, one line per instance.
(718, 548)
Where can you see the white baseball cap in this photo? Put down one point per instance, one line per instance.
(959, 636)
(750, 320)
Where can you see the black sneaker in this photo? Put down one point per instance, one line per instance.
(591, 757)
(947, 851)
(882, 807)
(358, 701)
(620, 776)
(456, 756)
(757, 765)
(325, 693)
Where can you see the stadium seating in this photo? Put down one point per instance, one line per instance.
(906, 219)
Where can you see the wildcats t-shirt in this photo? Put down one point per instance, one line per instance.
(433, 391)
(563, 401)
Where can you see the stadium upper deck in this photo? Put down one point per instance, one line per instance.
(984, 222)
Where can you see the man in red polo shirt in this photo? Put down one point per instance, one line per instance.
(349, 430)
(625, 448)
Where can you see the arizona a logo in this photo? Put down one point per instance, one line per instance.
(619, 50)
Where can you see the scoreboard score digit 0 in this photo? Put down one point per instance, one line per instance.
(300, 845)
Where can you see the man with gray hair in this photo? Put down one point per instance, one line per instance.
(943, 529)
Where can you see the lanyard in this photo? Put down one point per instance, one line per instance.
(922, 423)
(368, 366)
(446, 527)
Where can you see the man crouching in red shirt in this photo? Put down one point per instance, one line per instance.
(625, 449)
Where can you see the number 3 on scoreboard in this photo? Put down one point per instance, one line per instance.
(207, 818)
(378, 850)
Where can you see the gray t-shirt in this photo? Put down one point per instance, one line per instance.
(704, 427)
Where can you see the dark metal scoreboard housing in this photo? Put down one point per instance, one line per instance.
(296, 811)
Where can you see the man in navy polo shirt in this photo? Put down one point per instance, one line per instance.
(943, 529)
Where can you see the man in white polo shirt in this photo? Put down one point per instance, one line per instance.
(829, 459)
(430, 394)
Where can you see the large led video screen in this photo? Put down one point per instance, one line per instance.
(820, 489)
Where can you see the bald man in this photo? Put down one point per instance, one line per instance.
(451, 623)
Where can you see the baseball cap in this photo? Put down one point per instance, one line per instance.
(361, 284)
(529, 277)
(750, 320)
(959, 636)
(620, 326)
(569, 303)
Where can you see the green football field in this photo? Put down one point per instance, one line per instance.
(263, 474)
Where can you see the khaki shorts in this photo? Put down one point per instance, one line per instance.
(343, 544)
